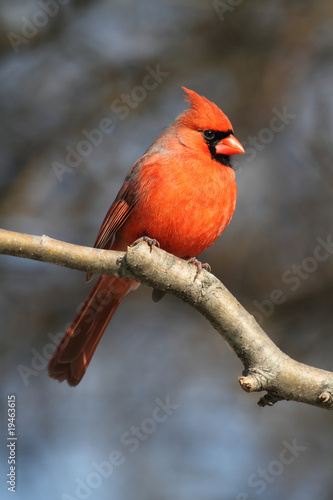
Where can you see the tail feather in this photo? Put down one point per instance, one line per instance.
(73, 355)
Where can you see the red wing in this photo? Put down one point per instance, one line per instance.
(119, 211)
(114, 219)
(116, 216)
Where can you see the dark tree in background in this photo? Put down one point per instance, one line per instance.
(85, 87)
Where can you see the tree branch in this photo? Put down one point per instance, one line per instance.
(266, 368)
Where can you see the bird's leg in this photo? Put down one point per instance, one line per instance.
(151, 242)
(157, 295)
(199, 265)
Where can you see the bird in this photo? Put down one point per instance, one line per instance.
(181, 194)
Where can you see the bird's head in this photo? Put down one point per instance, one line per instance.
(206, 128)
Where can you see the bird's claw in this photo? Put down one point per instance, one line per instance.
(151, 242)
(199, 265)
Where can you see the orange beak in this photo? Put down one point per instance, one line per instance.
(229, 146)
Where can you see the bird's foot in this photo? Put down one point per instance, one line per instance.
(199, 265)
(157, 295)
(151, 242)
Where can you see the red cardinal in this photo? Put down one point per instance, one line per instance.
(182, 193)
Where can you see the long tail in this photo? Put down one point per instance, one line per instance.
(72, 356)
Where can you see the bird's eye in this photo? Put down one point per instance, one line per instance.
(209, 135)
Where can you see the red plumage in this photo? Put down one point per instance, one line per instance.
(181, 192)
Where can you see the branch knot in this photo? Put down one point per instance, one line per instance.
(254, 381)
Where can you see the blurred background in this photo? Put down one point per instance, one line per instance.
(69, 68)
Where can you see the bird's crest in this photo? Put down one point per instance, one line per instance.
(203, 114)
